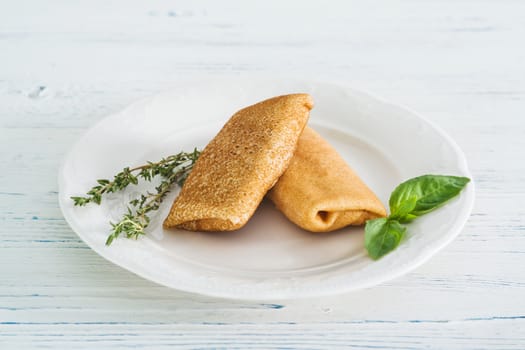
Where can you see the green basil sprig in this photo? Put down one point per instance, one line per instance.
(408, 201)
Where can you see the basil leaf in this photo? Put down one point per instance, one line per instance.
(404, 210)
(430, 191)
(382, 236)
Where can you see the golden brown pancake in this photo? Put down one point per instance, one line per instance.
(320, 192)
(238, 167)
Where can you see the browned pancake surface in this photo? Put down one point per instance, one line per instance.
(238, 167)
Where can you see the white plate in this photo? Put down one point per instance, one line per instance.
(270, 257)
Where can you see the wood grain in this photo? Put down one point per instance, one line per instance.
(65, 65)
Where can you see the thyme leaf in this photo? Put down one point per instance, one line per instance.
(172, 170)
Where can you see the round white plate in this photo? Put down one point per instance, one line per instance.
(270, 257)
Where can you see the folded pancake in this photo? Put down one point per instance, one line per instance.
(320, 192)
(238, 167)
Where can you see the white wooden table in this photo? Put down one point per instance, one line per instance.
(65, 65)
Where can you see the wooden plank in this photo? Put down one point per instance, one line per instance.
(67, 65)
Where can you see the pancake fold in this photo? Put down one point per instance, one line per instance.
(320, 192)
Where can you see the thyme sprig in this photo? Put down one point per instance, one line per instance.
(172, 170)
